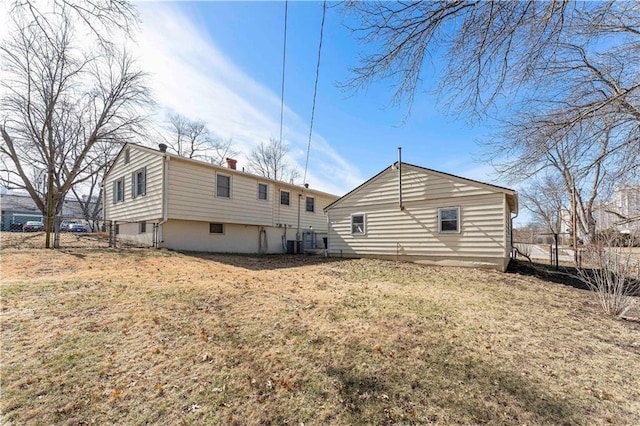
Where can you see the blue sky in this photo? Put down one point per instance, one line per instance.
(222, 62)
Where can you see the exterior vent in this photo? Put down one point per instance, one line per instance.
(162, 147)
(231, 163)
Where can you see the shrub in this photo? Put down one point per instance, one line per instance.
(612, 273)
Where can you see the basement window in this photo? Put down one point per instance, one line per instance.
(358, 224)
(449, 220)
(143, 227)
(216, 228)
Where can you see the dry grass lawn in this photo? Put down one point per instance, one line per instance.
(151, 336)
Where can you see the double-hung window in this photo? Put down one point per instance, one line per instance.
(449, 220)
(358, 224)
(285, 198)
(139, 182)
(223, 186)
(310, 204)
(118, 190)
(262, 191)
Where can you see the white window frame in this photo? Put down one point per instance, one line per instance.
(118, 197)
(230, 185)
(216, 233)
(288, 199)
(306, 205)
(135, 181)
(458, 221)
(266, 193)
(364, 224)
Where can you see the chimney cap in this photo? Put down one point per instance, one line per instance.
(162, 147)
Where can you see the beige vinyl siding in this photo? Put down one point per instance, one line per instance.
(192, 196)
(414, 230)
(507, 230)
(416, 186)
(143, 207)
(412, 233)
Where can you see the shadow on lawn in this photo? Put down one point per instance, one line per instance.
(565, 275)
(264, 262)
(449, 387)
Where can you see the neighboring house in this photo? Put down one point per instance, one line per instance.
(16, 209)
(158, 199)
(430, 217)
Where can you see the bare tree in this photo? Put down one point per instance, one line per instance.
(221, 149)
(90, 193)
(62, 101)
(192, 139)
(189, 138)
(269, 160)
(546, 199)
(563, 77)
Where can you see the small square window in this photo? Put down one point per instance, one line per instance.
(262, 191)
(449, 220)
(284, 198)
(216, 228)
(143, 227)
(223, 186)
(358, 224)
(310, 204)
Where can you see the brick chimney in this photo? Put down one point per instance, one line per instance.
(231, 163)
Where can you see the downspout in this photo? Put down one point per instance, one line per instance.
(165, 200)
(298, 234)
(511, 236)
(400, 178)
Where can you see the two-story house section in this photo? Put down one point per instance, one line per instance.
(159, 199)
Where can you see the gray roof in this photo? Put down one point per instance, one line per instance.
(24, 203)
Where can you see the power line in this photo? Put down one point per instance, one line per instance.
(284, 59)
(315, 91)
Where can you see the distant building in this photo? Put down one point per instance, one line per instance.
(16, 209)
(621, 212)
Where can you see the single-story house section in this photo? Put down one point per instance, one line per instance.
(408, 212)
(154, 198)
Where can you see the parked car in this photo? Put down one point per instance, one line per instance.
(33, 226)
(64, 225)
(78, 227)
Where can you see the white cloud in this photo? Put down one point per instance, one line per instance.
(191, 76)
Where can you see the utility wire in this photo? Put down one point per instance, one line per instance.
(315, 91)
(284, 59)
